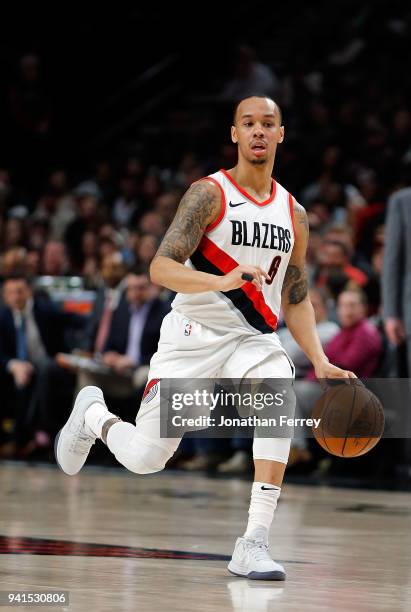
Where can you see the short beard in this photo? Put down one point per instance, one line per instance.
(258, 162)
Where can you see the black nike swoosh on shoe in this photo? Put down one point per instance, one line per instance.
(234, 205)
(268, 488)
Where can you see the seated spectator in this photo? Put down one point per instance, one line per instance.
(131, 341)
(63, 212)
(358, 346)
(14, 233)
(33, 263)
(166, 205)
(32, 331)
(343, 233)
(146, 248)
(126, 205)
(152, 223)
(108, 300)
(89, 218)
(326, 330)
(37, 232)
(55, 261)
(335, 256)
(13, 261)
(90, 253)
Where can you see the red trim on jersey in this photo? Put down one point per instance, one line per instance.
(291, 205)
(224, 262)
(150, 384)
(247, 195)
(220, 217)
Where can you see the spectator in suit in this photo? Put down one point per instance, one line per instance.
(32, 331)
(132, 339)
(109, 298)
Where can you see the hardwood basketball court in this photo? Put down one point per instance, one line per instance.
(117, 541)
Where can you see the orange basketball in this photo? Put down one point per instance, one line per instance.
(352, 419)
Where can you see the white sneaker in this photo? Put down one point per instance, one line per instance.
(73, 443)
(251, 559)
(239, 463)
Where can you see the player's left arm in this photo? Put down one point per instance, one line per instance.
(297, 308)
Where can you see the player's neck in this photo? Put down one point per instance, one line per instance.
(256, 179)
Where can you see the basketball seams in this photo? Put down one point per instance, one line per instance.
(332, 397)
(371, 401)
(333, 416)
(376, 411)
(349, 422)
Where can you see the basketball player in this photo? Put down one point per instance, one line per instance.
(232, 223)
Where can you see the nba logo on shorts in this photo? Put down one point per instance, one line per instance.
(187, 328)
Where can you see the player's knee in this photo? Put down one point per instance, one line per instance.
(145, 458)
(272, 449)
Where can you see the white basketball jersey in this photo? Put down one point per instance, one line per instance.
(246, 232)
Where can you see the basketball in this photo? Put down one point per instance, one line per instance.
(352, 419)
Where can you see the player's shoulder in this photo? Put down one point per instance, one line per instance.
(207, 187)
(297, 207)
(299, 218)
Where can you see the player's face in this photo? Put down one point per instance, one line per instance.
(257, 130)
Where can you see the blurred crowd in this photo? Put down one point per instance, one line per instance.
(347, 149)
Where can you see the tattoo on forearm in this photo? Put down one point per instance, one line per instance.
(295, 285)
(192, 217)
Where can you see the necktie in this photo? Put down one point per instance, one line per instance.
(21, 341)
(104, 327)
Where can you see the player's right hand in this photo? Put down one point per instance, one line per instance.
(234, 280)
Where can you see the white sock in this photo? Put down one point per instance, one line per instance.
(95, 417)
(264, 497)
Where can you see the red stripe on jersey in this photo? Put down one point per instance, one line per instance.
(291, 205)
(247, 195)
(220, 217)
(150, 384)
(226, 263)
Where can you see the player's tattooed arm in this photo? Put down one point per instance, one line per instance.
(295, 284)
(198, 208)
(298, 310)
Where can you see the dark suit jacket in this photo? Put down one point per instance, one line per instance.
(119, 330)
(396, 278)
(51, 323)
(89, 336)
